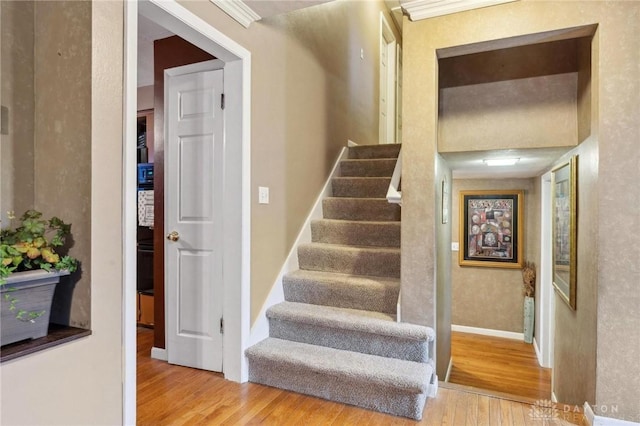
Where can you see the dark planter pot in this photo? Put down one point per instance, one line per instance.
(34, 293)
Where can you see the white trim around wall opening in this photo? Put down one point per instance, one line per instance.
(236, 192)
(387, 93)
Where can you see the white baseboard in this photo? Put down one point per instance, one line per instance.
(432, 390)
(260, 329)
(538, 354)
(593, 420)
(488, 332)
(351, 143)
(446, 377)
(159, 353)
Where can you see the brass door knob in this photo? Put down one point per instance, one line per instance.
(173, 236)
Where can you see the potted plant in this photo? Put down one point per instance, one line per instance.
(30, 268)
(528, 289)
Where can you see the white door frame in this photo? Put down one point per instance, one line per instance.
(388, 39)
(398, 94)
(236, 191)
(183, 347)
(545, 306)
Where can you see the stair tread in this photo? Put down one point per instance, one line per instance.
(349, 319)
(408, 376)
(363, 209)
(347, 247)
(374, 151)
(378, 179)
(357, 198)
(362, 160)
(394, 223)
(372, 293)
(337, 276)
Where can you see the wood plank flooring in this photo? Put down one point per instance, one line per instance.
(500, 365)
(173, 395)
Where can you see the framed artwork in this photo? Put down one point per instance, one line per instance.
(564, 221)
(491, 228)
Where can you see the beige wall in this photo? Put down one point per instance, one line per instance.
(541, 112)
(533, 88)
(444, 260)
(614, 124)
(62, 134)
(492, 297)
(46, 155)
(17, 96)
(80, 383)
(574, 374)
(310, 93)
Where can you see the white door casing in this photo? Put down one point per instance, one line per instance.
(545, 300)
(237, 186)
(399, 94)
(194, 148)
(387, 83)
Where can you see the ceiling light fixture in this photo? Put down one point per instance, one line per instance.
(501, 161)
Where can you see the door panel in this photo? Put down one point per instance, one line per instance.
(193, 194)
(195, 206)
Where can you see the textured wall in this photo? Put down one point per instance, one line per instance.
(310, 93)
(492, 297)
(80, 383)
(444, 261)
(541, 112)
(17, 95)
(574, 363)
(614, 123)
(63, 137)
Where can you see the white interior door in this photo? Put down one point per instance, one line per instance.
(387, 127)
(193, 196)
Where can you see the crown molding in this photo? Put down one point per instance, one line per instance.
(238, 10)
(423, 9)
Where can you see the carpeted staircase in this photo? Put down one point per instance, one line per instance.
(336, 335)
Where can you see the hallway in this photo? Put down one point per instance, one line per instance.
(499, 365)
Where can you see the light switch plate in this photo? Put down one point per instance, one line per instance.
(263, 195)
(455, 246)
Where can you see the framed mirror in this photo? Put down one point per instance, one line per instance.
(564, 185)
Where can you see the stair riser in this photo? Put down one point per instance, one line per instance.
(350, 340)
(367, 168)
(369, 298)
(374, 151)
(361, 187)
(338, 388)
(360, 209)
(357, 262)
(358, 234)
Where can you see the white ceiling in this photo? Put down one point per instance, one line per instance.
(533, 162)
(266, 8)
(148, 31)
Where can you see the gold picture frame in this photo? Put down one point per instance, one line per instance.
(491, 228)
(564, 210)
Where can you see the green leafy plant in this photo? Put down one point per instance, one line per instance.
(33, 244)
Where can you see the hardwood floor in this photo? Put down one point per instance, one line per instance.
(500, 365)
(173, 395)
